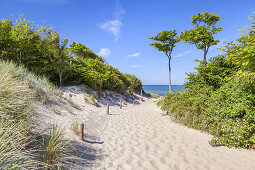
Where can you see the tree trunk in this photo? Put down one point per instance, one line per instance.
(205, 56)
(60, 79)
(205, 53)
(169, 64)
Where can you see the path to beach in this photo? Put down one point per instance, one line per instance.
(139, 137)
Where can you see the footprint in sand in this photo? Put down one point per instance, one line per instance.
(139, 138)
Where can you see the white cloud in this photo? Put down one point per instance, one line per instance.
(134, 55)
(104, 52)
(113, 26)
(135, 66)
(185, 53)
(119, 10)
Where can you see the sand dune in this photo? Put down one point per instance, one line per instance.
(139, 137)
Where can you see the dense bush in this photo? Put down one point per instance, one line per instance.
(220, 96)
(42, 51)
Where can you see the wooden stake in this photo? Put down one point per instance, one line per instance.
(107, 109)
(82, 131)
(120, 104)
(141, 94)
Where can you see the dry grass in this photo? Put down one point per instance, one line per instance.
(15, 98)
(19, 149)
(86, 99)
(93, 100)
(69, 110)
(73, 104)
(53, 150)
(90, 99)
(57, 112)
(75, 126)
(155, 96)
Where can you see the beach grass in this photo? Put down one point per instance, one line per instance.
(18, 145)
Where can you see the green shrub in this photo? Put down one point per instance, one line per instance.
(228, 113)
(42, 51)
(152, 95)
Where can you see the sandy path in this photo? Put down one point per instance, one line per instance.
(139, 137)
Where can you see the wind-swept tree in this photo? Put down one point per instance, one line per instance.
(81, 51)
(166, 41)
(203, 34)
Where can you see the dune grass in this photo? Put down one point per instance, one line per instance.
(15, 99)
(19, 148)
(75, 126)
(52, 150)
(153, 95)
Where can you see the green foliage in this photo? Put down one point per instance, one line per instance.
(152, 95)
(81, 51)
(203, 34)
(220, 96)
(98, 75)
(166, 41)
(212, 74)
(133, 83)
(44, 52)
(243, 52)
(205, 18)
(228, 113)
(101, 76)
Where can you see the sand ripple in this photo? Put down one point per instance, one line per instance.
(140, 138)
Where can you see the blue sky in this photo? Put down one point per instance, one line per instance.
(119, 29)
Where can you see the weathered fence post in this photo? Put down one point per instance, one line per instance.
(107, 109)
(142, 94)
(120, 104)
(82, 131)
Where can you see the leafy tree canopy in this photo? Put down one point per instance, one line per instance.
(44, 52)
(242, 52)
(202, 36)
(205, 19)
(81, 51)
(166, 41)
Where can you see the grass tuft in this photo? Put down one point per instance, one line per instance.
(54, 151)
(75, 126)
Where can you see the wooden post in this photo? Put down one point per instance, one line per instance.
(141, 94)
(82, 131)
(107, 109)
(120, 104)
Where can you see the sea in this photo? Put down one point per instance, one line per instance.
(161, 90)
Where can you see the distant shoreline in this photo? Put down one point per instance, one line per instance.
(161, 90)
